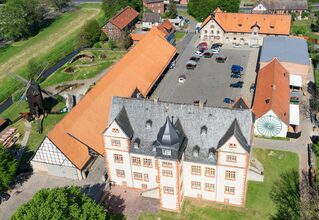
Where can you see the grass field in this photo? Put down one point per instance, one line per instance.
(179, 35)
(47, 47)
(84, 69)
(258, 204)
(303, 27)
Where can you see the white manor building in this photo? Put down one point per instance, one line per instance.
(243, 28)
(179, 150)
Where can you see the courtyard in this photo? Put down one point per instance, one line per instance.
(209, 80)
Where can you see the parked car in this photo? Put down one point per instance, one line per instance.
(187, 21)
(191, 64)
(235, 75)
(221, 59)
(252, 87)
(202, 45)
(181, 79)
(195, 57)
(237, 45)
(208, 54)
(198, 52)
(4, 197)
(216, 45)
(238, 84)
(236, 69)
(215, 50)
(228, 100)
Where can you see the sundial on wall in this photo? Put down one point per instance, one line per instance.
(269, 126)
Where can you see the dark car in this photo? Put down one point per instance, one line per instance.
(238, 84)
(235, 75)
(221, 59)
(236, 69)
(208, 54)
(228, 100)
(216, 45)
(4, 197)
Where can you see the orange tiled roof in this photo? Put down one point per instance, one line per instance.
(242, 22)
(166, 27)
(137, 37)
(273, 84)
(139, 68)
(124, 17)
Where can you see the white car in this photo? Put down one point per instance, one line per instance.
(237, 45)
(215, 50)
(199, 53)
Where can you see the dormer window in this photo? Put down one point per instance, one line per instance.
(148, 124)
(196, 151)
(203, 130)
(267, 101)
(136, 143)
(211, 153)
(166, 152)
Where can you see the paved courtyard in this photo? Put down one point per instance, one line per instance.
(209, 80)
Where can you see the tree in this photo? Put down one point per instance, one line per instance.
(125, 40)
(286, 196)
(111, 7)
(22, 18)
(229, 5)
(90, 34)
(8, 168)
(60, 203)
(111, 44)
(60, 4)
(171, 10)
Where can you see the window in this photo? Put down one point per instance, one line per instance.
(217, 32)
(229, 190)
(118, 158)
(120, 173)
(212, 31)
(231, 158)
(205, 31)
(209, 187)
(144, 186)
(196, 170)
(168, 190)
(230, 175)
(146, 177)
(115, 130)
(167, 173)
(115, 143)
(147, 162)
(212, 26)
(232, 145)
(166, 152)
(210, 172)
(136, 161)
(195, 185)
(167, 164)
(138, 176)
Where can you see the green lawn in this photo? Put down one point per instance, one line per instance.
(47, 47)
(83, 69)
(303, 27)
(179, 35)
(258, 204)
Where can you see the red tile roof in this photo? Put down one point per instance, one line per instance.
(124, 17)
(166, 27)
(83, 126)
(242, 22)
(273, 86)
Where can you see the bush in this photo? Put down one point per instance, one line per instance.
(315, 148)
(103, 36)
(69, 70)
(111, 44)
(103, 56)
(8, 168)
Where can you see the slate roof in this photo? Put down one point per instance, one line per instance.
(241, 104)
(189, 120)
(152, 1)
(284, 4)
(151, 17)
(285, 49)
(124, 123)
(234, 130)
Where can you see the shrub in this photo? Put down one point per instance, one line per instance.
(111, 44)
(69, 70)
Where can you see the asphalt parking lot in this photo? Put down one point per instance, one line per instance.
(209, 80)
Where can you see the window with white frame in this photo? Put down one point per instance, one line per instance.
(210, 172)
(147, 162)
(116, 143)
(231, 158)
(120, 173)
(196, 185)
(196, 170)
(168, 173)
(137, 176)
(136, 161)
(118, 158)
(166, 152)
(229, 190)
(209, 187)
(168, 190)
(230, 175)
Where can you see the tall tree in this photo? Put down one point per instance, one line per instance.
(171, 10)
(8, 168)
(60, 203)
(111, 7)
(90, 34)
(22, 18)
(60, 4)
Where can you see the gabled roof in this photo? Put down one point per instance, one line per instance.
(139, 68)
(151, 17)
(241, 104)
(124, 17)
(234, 130)
(137, 37)
(166, 27)
(124, 123)
(243, 22)
(284, 4)
(272, 91)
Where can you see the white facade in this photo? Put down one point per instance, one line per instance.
(51, 160)
(259, 8)
(270, 125)
(149, 25)
(212, 32)
(223, 182)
